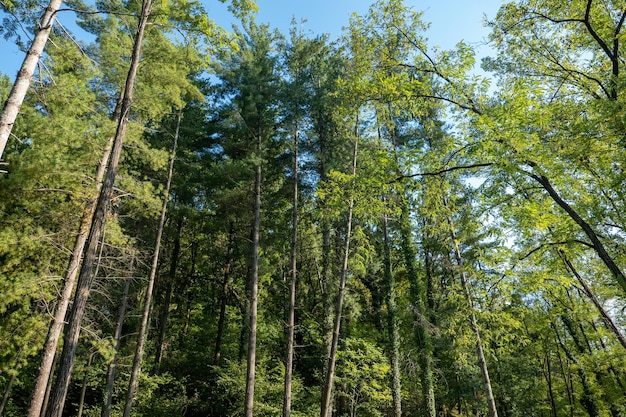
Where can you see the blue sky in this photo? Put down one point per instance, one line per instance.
(451, 21)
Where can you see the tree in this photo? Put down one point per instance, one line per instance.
(20, 87)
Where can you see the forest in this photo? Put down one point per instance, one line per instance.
(201, 221)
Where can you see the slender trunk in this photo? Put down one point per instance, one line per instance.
(54, 333)
(587, 229)
(392, 325)
(188, 296)
(24, 76)
(165, 311)
(547, 371)
(83, 390)
(330, 367)
(46, 398)
(291, 313)
(141, 338)
(254, 286)
(587, 399)
(108, 396)
(7, 393)
(84, 279)
(479, 344)
(608, 321)
(221, 323)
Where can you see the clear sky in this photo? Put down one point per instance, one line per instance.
(451, 21)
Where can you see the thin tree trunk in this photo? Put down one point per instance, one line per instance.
(141, 338)
(54, 333)
(108, 392)
(221, 323)
(493, 412)
(254, 287)
(392, 325)
(7, 393)
(24, 76)
(188, 297)
(291, 313)
(608, 321)
(587, 399)
(83, 390)
(548, 375)
(85, 277)
(330, 367)
(46, 398)
(165, 311)
(587, 229)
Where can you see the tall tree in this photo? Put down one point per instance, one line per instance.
(20, 87)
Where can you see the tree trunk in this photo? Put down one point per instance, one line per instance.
(83, 390)
(141, 338)
(84, 279)
(7, 393)
(54, 333)
(291, 313)
(608, 321)
(165, 311)
(482, 362)
(254, 286)
(330, 367)
(20, 87)
(392, 325)
(108, 392)
(188, 297)
(221, 322)
(587, 399)
(587, 229)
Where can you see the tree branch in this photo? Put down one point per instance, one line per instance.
(444, 171)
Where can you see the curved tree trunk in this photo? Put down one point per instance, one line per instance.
(24, 76)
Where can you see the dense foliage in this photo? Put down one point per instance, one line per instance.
(365, 214)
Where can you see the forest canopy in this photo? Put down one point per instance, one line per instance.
(202, 221)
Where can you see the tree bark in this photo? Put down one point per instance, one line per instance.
(291, 313)
(141, 338)
(24, 76)
(85, 279)
(330, 367)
